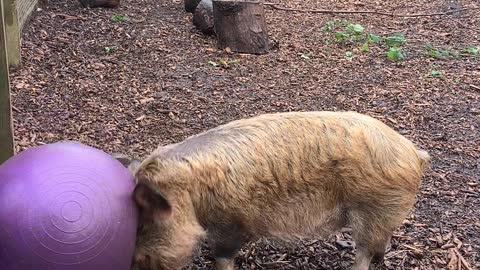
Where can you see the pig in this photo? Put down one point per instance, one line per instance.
(285, 176)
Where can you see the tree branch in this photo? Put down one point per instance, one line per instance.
(326, 11)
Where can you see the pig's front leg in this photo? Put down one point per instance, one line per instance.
(225, 252)
(225, 243)
(225, 264)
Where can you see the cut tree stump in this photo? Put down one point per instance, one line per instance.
(191, 5)
(203, 17)
(241, 26)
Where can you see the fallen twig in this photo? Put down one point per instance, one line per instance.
(414, 249)
(68, 17)
(447, 246)
(475, 87)
(15, 109)
(464, 262)
(452, 264)
(326, 11)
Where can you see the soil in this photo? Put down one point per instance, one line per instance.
(129, 86)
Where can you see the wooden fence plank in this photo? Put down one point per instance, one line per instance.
(6, 125)
(12, 32)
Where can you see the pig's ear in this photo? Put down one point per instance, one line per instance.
(153, 205)
(134, 165)
(131, 164)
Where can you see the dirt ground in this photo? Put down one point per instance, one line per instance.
(130, 86)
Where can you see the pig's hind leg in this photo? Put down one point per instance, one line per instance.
(370, 253)
(372, 234)
(373, 226)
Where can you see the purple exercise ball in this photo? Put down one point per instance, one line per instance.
(66, 206)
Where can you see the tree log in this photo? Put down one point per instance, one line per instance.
(100, 3)
(203, 17)
(241, 26)
(191, 5)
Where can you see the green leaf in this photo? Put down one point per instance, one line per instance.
(436, 53)
(329, 26)
(472, 50)
(396, 40)
(372, 38)
(395, 54)
(212, 63)
(119, 18)
(235, 62)
(349, 55)
(110, 49)
(434, 74)
(340, 36)
(364, 48)
(223, 62)
(357, 28)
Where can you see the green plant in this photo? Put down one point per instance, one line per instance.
(373, 39)
(395, 54)
(355, 33)
(349, 55)
(355, 29)
(435, 52)
(352, 32)
(329, 26)
(365, 47)
(340, 36)
(433, 74)
(110, 50)
(473, 50)
(212, 63)
(396, 40)
(119, 18)
(224, 63)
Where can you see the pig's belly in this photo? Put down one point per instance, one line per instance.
(304, 223)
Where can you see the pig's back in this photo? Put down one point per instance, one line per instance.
(313, 141)
(287, 152)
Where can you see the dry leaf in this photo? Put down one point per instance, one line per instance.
(146, 100)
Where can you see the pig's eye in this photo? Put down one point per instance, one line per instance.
(140, 227)
(143, 261)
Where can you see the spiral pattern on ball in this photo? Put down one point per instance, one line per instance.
(72, 220)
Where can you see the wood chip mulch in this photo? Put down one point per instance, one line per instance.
(130, 86)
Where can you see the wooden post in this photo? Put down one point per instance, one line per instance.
(240, 25)
(12, 32)
(6, 128)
